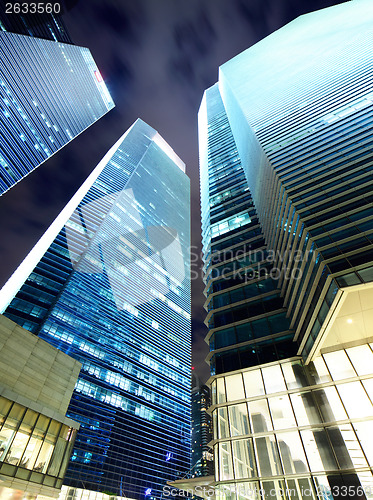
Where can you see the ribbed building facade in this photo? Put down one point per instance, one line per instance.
(246, 317)
(109, 284)
(50, 92)
(287, 227)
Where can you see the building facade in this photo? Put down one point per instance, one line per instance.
(202, 458)
(50, 92)
(109, 284)
(36, 437)
(287, 227)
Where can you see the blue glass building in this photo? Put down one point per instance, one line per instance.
(287, 228)
(50, 92)
(109, 284)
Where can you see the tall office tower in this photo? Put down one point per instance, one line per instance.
(109, 284)
(202, 458)
(50, 92)
(289, 323)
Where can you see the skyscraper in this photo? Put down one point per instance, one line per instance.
(50, 92)
(109, 284)
(202, 459)
(286, 173)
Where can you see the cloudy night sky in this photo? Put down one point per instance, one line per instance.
(157, 57)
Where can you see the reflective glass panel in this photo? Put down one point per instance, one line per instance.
(273, 379)
(273, 490)
(364, 433)
(366, 481)
(216, 461)
(239, 420)
(294, 375)
(243, 458)
(215, 423)
(17, 448)
(368, 384)
(362, 359)
(9, 428)
(323, 487)
(222, 423)
(267, 456)
(225, 461)
(213, 393)
(58, 453)
(305, 408)
(292, 453)
(21, 439)
(226, 492)
(306, 488)
(248, 491)
(234, 386)
(31, 452)
(220, 390)
(253, 383)
(355, 400)
(298, 489)
(330, 404)
(318, 451)
(346, 447)
(281, 412)
(318, 371)
(259, 416)
(5, 405)
(339, 365)
(70, 437)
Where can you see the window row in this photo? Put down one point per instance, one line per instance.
(334, 448)
(256, 329)
(33, 441)
(337, 365)
(330, 404)
(309, 488)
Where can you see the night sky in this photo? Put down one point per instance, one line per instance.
(157, 57)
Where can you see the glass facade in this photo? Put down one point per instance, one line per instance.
(111, 288)
(246, 316)
(50, 92)
(304, 147)
(289, 430)
(202, 458)
(33, 447)
(287, 231)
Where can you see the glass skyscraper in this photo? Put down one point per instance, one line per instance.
(50, 92)
(202, 458)
(109, 284)
(287, 227)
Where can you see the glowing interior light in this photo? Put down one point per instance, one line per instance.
(349, 321)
